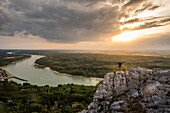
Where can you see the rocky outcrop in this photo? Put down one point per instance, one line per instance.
(4, 3)
(137, 90)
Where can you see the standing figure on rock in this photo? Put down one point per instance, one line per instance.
(120, 64)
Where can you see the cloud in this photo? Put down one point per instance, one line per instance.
(59, 21)
(159, 42)
(147, 23)
(70, 21)
(147, 6)
(130, 18)
(133, 2)
(3, 19)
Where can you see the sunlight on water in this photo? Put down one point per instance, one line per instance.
(25, 69)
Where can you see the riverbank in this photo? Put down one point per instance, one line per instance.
(6, 59)
(97, 65)
(25, 69)
(5, 75)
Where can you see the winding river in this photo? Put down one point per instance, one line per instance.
(25, 69)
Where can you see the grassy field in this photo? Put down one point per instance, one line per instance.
(97, 65)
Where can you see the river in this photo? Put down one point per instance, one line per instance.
(25, 69)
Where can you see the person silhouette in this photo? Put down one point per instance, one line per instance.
(120, 64)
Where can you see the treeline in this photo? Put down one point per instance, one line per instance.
(97, 65)
(6, 59)
(27, 98)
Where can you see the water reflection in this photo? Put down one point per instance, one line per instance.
(25, 69)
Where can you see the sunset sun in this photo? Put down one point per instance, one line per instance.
(126, 36)
(85, 56)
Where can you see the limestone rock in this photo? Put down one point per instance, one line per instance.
(137, 89)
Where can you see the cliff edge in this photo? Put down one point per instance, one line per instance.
(137, 90)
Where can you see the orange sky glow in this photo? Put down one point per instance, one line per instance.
(104, 25)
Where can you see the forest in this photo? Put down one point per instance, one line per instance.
(6, 59)
(68, 98)
(97, 65)
(27, 98)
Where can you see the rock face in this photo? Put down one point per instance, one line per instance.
(137, 90)
(4, 3)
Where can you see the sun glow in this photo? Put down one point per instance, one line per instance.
(132, 35)
(127, 36)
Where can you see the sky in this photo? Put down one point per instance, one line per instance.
(85, 24)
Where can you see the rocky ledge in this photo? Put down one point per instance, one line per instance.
(137, 90)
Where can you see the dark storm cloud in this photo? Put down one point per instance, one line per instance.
(3, 19)
(70, 20)
(61, 21)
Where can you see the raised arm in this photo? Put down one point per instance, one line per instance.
(123, 62)
(117, 62)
